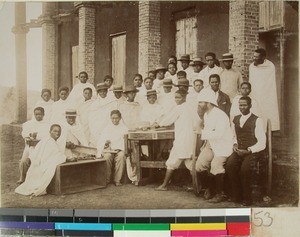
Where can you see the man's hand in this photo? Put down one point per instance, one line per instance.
(70, 145)
(235, 147)
(243, 152)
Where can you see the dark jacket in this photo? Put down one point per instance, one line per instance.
(224, 102)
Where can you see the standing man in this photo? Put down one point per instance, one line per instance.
(185, 64)
(197, 67)
(263, 80)
(218, 134)
(249, 142)
(223, 100)
(211, 68)
(160, 75)
(231, 79)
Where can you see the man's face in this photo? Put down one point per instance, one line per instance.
(179, 99)
(180, 77)
(152, 75)
(63, 95)
(210, 61)
(39, 115)
(197, 68)
(257, 59)
(46, 96)
(171, 69)
(83, 78)
(108, 82)
(198, 86)
(137, 81)
(215, 84)
(245, 90)
(151, 99)
(160, 74)
(102, 93)
(228, 64)
(115, 119)
(185, 88)
(71, 119)
(118, 94)
(244, 107)
(167, 89)
(130, 96)
(87, 94)
(148, 84)
(55, 132)
(184, 64)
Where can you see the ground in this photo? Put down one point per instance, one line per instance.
(127, 196)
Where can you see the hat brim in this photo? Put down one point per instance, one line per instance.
(227, 59)
(182, 85)
(117, 90)
(131, 91)
(188, 60)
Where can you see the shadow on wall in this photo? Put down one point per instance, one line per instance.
(8, 104)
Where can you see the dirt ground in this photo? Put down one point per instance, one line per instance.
(127, 196)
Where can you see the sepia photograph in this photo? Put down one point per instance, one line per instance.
(149, 104)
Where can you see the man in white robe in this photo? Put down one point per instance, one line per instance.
(263, 80)
(76, 95)
(160, 75)
(111, 146)
(210, 69)
(46, 156)
(197, 67)
(99, 113)
(46, 102)
(185, 64)
(166, 98)
(34, 129)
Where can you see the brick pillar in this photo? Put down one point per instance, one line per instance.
(149, 36)
(243, 32)
(87, 32)
(21, 62)
(49, 47)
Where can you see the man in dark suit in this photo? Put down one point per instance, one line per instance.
(223, 99)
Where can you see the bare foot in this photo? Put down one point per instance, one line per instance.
(161, 188)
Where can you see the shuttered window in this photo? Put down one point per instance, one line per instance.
(119, 58)
(271, 14)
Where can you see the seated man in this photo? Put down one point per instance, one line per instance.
(218, 147)
(72, 134)
(44, 159)
(111, 146)
(34, 129)
(249, 142)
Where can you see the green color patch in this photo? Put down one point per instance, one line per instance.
(141, 227)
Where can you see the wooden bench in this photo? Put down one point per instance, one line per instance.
(79, 176)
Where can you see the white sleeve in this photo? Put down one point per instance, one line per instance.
(218, 131)
(260, 136)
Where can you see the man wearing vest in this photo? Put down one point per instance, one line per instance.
(249, 142)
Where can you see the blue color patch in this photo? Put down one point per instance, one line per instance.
(82, 226)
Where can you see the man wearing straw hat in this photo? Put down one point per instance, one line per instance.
(166, 98)
(218, 147)
(160, 75)
(231, 79)
(197, 67)
(185, 64)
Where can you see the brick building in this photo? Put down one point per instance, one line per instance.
(124, 38)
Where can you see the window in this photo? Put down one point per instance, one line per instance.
(118, 43)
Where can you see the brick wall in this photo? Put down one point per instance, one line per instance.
(243, 32)
(49, 48)
(149, 36)
(86, 53)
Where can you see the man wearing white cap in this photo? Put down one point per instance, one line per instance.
(219, 137)
(231, 79)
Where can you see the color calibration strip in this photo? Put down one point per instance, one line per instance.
(125, 223)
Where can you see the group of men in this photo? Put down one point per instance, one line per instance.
(213, 99)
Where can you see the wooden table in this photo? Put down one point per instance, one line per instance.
(152, 138)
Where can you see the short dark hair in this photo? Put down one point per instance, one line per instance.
(40, 109)
(261, 51)
(55, 125)
(147, 79)
(247, 98)
(174, 64)
(117, 112)
(246, 83)
(45, 90)
(108, 77)
(183, 93)
(214, 76)
(181, 73)
(198, 80)
(213, 55)
(173, 56)
(85, 73)
(137, 75)
(88, 89)
(64, 88)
